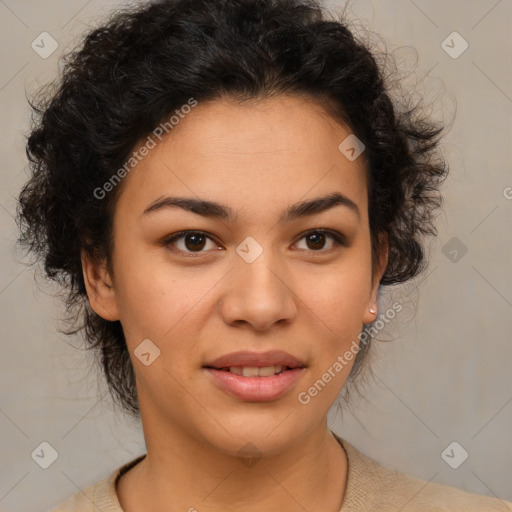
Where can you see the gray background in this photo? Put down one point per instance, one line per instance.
(445, 376)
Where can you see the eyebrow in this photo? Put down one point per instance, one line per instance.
(214, 210)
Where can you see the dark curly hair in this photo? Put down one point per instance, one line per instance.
(144, 63)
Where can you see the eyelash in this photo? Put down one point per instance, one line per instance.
(338, 239)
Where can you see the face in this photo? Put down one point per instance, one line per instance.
(274, 270)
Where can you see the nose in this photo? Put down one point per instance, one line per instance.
(258, 294)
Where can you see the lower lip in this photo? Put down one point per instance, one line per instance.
(255, 389)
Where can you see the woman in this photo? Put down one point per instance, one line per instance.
(224, 187)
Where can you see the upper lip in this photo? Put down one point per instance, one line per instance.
(256, 359)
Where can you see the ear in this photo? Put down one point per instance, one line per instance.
(369, 316)
(100, 287)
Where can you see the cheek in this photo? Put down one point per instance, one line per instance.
(341, 293)
(335, 309)
(142, 294)
(337, 314)
(157, 300)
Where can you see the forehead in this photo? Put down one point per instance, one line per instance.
(276, 150)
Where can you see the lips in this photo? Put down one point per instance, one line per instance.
(256, 377)
(255, 360)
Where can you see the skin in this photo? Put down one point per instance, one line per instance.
(310, 300)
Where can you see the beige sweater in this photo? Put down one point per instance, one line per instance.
(370, 487)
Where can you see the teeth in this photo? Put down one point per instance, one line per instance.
(249, 371)
(266, 371)
(253, 371)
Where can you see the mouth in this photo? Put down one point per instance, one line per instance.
(254, 371)
(252, 364)
(254, 377)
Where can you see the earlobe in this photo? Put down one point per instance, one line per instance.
(100, 288)
(370, 314)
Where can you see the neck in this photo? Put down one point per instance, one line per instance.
(183, 473)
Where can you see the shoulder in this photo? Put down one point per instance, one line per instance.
(100, 496)
(375, 488)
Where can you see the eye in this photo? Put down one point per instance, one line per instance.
(196, 241)
(316, 239)
(191, 241)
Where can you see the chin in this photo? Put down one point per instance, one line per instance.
(268, 435)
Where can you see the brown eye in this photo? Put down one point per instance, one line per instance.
(195, 241)
(316, 240)
(189, 241)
